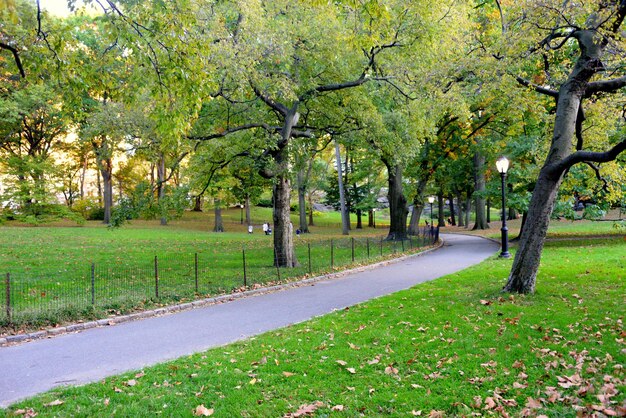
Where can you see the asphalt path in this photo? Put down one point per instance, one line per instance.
(90, 355)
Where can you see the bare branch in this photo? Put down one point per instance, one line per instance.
(596, 169)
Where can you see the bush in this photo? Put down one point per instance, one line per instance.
(89, 208)
(265, 203)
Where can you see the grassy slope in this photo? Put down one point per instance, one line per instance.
(455, 345)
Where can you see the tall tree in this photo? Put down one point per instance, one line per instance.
(578, 46)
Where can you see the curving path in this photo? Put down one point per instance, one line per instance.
(90, 355)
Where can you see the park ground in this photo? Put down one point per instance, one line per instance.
(453, 347)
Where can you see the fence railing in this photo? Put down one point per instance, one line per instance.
(104, 289)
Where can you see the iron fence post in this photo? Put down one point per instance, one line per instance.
(93, 284)
(156, 276)
(332, 254)
(352, 239)
(245, 276)
(196, 270)
(8, 296)
(309, 248)
(381, 246)
(368, 248)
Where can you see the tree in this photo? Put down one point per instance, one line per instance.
(588, 37)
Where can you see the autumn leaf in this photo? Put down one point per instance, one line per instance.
(27, 413)
(307, 409)
(485, 302)
(489, 403)
(354, 347)
(131, 382)
(140, 375)
(351, 370)
(341, 362)
(391, 370)
(288, 374)
(56, 402)
(202, 411)
(337, 408)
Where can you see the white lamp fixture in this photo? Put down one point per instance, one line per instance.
(502, 164)
(431, 199)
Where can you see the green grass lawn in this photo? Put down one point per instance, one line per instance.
(456, 346)
(51, 278)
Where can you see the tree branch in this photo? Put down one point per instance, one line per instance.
(587, 156)
(16, 57)
(236, 129)
(278, 107)
(538, 89)
(605, 86)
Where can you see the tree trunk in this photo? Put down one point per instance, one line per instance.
(512, 214)
(418, 207)
(370, 218)
(459, 200)
(106, 170)
(488, 210)
(479, 189)
(302, 201)
(345, 220)
(441, 215)
(310, 211)
(219, 223)
(197, 206)
(521, 229)
(359, 220)
(161, 189)
(452, 214)
(468, 210)
(248, 217)
(285, 255)
(398, 211)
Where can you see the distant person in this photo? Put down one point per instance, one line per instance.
(250, 229)
(298, 232)
(266, 228)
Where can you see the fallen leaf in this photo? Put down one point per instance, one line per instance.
(307, 409)
(287, 374)
(131, 382)
(533, 403)
(27, 413)
(337, 408)
(416, 413)
(391, 370)
(354, 347)
(351, 370)
(56, 402)
(341, 362)
(140, 374)
(485, 302)
(202, 411)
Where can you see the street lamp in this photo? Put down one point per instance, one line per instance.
(503, 165)
(431, 199)
(241, 207)
(374, 217)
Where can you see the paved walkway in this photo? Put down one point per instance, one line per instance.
(91, 355)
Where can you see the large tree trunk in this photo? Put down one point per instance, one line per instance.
(310, 210)
(345, 217)
(479, 189)
(370, 218)
(418, 208)
(398, 211)
(219, 223)
(285, 255)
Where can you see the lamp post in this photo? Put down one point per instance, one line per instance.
(241, 207)
(431, 199)
(503, 165)
(374, 217)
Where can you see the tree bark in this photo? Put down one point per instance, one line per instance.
(452, 214)
(219, 223)
(302, 200)
(345, 220)
(468, 210)
(161, 188)
(370, 218)
(310, 211)
(398, 211)
(106, 170)
(459, 200)
(248, 217)
(418, 207)
(441, 216)
(197, 206)
(479, 189)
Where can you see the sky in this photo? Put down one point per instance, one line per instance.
(59, 7)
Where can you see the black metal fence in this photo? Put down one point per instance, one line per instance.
(113, 288)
